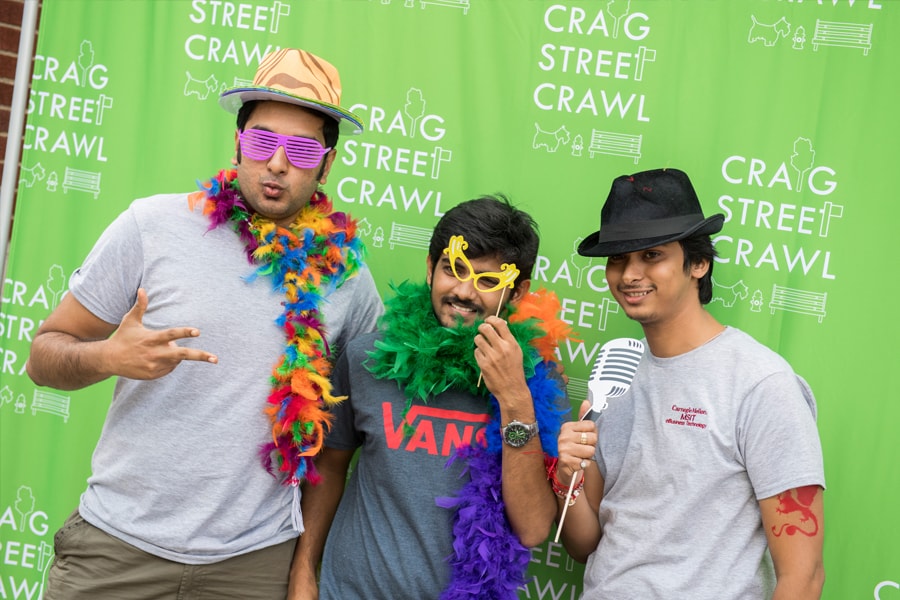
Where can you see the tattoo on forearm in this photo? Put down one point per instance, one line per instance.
(795, 506)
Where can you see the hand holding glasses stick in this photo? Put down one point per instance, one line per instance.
(611, 376)
(497, 314)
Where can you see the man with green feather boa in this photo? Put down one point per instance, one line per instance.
(455, 405)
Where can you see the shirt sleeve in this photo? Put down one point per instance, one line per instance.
(777, 436)
(107, 282)
(343, 434)
(364, 307)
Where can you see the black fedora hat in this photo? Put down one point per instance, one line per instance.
(648, 209)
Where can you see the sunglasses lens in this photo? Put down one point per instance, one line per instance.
(303, 153)
(258, 145)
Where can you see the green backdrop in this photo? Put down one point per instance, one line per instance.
(784, 113)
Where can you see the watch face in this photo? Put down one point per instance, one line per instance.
(517, 434)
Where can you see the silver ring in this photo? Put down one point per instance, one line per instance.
(583, 438)
(583, 464)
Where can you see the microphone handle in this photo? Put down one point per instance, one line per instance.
(562, 517)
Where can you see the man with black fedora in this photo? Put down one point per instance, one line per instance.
(705, 480)
(217, 312)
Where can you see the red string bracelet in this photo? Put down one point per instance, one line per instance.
(561, 490)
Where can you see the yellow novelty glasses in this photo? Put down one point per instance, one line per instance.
(486, 282)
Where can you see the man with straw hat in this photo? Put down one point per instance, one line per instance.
(708, 476)
(218, 312)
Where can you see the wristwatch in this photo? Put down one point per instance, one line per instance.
(517, 434)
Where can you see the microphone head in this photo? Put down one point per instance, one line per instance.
(614, 370)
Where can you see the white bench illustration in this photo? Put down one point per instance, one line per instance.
(618, 144)
(847, 35)
(410, 236)
(463, 4)
(577, 389)
(49, 402)
(86, 181)
(799, 301)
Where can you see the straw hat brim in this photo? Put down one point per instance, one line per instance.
(233, 99)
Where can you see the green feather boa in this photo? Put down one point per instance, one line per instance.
(426, 358)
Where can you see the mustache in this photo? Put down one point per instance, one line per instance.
(463, 303)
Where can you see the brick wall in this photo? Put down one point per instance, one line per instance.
(10, 30)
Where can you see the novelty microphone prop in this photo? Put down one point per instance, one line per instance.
(613, 372)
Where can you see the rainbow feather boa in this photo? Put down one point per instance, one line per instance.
(306, 262)
(425, 359)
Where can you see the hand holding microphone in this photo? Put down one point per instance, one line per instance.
(613, 372)
(578, 441)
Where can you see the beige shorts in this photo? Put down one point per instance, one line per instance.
(93, 565)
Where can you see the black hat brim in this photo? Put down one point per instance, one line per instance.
(593, 246)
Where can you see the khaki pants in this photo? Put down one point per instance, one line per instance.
(93, 565)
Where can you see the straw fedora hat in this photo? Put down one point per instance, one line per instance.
(648, 209)
(297, 77)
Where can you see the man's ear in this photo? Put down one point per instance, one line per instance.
(326, 167)
(520, 291)
(699, 269)
(237, 148)
(430, 270)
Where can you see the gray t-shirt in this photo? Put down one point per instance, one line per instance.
(685, 455)
(176, 471)
(389, 539)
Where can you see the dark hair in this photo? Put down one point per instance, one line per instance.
(493, 228)
(330, 129)
(697, 249)
(244, 113)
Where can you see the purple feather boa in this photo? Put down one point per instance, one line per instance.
(488, 561)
